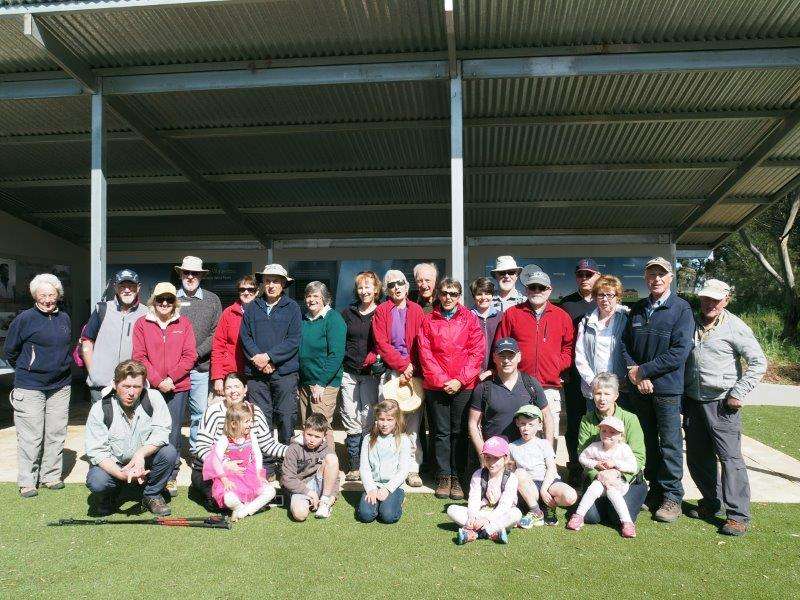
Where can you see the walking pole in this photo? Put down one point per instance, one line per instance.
(213, 522)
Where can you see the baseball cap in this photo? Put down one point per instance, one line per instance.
(530, 411)
(716, 289)
(506, 344)
(126, 275)
(587, 264)
(614, 423)
(533, 274)
(659, 261)
(495, 446)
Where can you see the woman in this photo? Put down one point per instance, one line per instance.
(234, 392)
(227, 353)
(451, 351)
(597, 347)
(489, 316)
(395, 326)
(38, 346)
(605, 390)
(164, 343)
(361, 372)
(321, 355)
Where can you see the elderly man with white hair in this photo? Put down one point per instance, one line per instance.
(715, 386)
(38, 346)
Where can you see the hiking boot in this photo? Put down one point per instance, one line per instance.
(442, 487)
(575, 522)
(172, 488)
(55, 485)
(533, 518)
(414, 480)
(29, 492)
(735, 528)
(628, 530)
(456, 493)
(550, 516)
(668, 512)
(703, 511)
(500, 537)
(353, 475)
(465, 535)
(156, 505)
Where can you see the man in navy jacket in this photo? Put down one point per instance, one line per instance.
(656, 343)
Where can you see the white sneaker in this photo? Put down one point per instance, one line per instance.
(323, 510)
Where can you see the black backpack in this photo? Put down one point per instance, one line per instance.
(108, 409)
(527, 381)
(485, 481)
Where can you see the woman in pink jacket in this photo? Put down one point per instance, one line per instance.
(164, 343)
(451, 351)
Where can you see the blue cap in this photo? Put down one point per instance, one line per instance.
(126, 275)
(506, 344)
(587, 264)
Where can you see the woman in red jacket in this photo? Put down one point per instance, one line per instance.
(164, 343)
(227, 354)
(451, 351)
(395, 325)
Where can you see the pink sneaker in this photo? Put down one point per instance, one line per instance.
(575, 522)
(628, 530)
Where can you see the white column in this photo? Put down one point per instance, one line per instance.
(456, 180)
(98, 205)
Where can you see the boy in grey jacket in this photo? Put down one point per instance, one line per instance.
(716, 385)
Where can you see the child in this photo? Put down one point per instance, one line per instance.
(536, 471)
(243, 489)
(491, 508)
(611, 457)
(311, 471)
(385, 463)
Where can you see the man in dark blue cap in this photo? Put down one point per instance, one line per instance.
(107, 339)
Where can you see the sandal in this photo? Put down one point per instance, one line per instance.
(28, 492)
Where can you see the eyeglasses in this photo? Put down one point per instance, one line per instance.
(606, 296)
(249, 290)
(169, 300)
(584, 274)
(447, 294)
(535, 287)
(393, 284)
(195, 274)
(501, 274)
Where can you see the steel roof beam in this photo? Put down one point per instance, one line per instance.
(75, 6)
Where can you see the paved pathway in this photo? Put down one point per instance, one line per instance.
(772, 394)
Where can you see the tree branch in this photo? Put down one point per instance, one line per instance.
(790, 220)
(760, 256)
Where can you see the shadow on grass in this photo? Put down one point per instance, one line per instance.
(70, 457)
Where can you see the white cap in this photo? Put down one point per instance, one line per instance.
(614, 423)
(716, 289)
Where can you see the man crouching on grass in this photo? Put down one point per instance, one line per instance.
(127, 442)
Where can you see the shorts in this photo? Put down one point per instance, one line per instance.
(523, 505)
(314, 483)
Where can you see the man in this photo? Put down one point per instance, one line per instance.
(506, 272)
(127, 442)
(425, 276)
(578, 304)
(495, 401)
(545, 336)
(270, 335)
(107, 339)
(716, 385)
(203, 309)
(655, 345)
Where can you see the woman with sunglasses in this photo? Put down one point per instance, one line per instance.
(164, 342)
(451, 351)
(227, 354)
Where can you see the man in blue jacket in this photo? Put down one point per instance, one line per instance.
(656, 343)
(270, 335)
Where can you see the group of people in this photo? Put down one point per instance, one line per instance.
(477, 396)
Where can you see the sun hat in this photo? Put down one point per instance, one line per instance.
(162, 289)
(532, 274)
(495, 446)
(408, 395)
(529, 410)
(276, 269)
(716, 289)
(614, 423)
(505, 263)
(659, 261)
(191, 263)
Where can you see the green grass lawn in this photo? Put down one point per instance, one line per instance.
(776, 426)
(267, 556)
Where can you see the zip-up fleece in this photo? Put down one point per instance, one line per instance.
(451, 348)
(166, 352)
(38, 346)
(276, 333)
(227, 354)
(113, 341)
(546, 344)
(382, 331)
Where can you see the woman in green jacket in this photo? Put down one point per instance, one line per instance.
(605, 390)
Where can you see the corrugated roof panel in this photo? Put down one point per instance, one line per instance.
(202, 226)
(19, 54)
(726, 214)
(613, 142)
(640, 93)
(49, 115)
(368, 222)
(698, 238)
(789, 148)
(251, 31)
(763, 182)
(599, 185)
(520, 23)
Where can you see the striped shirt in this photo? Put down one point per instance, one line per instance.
(212, 423)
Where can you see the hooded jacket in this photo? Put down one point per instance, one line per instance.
(227, 354)
(165, 352)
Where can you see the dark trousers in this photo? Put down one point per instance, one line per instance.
(203, 486)
(353, 443)
(575, 408)
(176, 403)
(713, 430)
(449, 414)
(603, 512)
(160, 464)
(389, 511)
(277, 399)
(660, 417)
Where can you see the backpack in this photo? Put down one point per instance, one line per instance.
(527, 381)
(77, 352)
(485, 481)
(108, 409)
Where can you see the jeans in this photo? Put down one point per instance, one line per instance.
(160, 464)
(176, 403)
(603, 512)
(276, 396)
(389, 511)
(450, 431)
(660, 417)
(198, 402)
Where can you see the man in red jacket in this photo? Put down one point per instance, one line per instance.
(545, 336)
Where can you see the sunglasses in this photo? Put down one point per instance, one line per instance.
(165, 300)
(504, 273)
(445, 293)
(537, 288)
(194, 274)
(393, 284)
(584, 274)
(249, 290)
